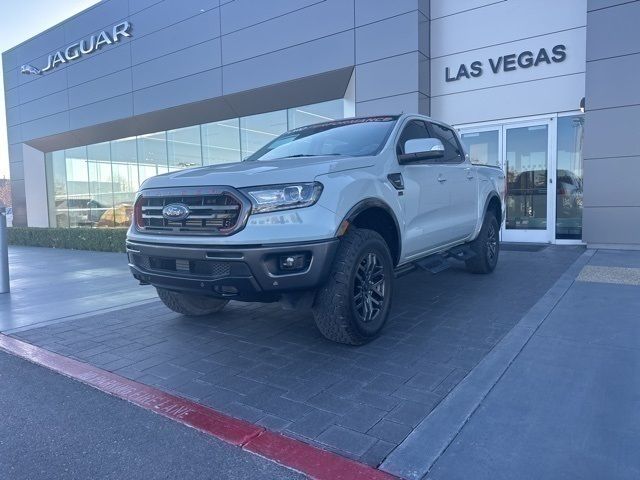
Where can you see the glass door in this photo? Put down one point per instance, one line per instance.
(530, 202)
(525, 152)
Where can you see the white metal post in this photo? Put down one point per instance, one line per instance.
(4, 252)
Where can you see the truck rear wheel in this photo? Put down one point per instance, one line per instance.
(353, 305)
(486, 247)
(191, 305)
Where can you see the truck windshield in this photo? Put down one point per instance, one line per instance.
(353, 137)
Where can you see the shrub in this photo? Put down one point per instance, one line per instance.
(97, 239)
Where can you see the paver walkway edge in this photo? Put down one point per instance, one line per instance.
(414, 457)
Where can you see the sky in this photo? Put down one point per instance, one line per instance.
(19, 21)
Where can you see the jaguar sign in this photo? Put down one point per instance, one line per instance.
(84, 47)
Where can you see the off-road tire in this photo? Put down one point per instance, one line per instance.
(191, 305)
(334, 310)
(486, 247)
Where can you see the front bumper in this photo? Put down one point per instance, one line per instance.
(249, 273)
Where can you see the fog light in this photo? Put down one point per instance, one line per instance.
(294, 261)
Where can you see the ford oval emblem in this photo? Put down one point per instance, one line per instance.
(176, 212)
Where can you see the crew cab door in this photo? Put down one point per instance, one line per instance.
(462, 182)
(425, 197)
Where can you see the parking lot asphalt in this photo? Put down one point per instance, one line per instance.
(55, 427)
(270, 366)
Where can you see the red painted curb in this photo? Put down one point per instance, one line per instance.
(312, 461)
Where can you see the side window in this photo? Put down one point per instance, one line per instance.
(412, 130)
(452, 151)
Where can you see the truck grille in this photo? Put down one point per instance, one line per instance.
(213, 213)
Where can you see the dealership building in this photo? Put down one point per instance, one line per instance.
(128, 89)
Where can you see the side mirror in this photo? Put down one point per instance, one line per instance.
(418, 149)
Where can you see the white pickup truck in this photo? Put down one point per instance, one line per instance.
(324, 216)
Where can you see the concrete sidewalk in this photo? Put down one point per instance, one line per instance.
(558, 398)
(48, 285)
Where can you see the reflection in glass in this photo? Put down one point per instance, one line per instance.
(316, 113)
(569, 178)
(152, 155)
(258, 130)
(221, 142)
(57, 189)
(482, 147)
(184, 148)
(526, 170)
(94, 186)
(124, 158)
(100, 184)
(79, 201)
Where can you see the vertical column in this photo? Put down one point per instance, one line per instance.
(4, 252)
(392, 56)
(18, 194)
(612, 150)
(35, 187)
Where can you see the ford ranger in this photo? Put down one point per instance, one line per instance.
(324, 216)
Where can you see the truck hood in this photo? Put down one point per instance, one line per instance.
(249, 174)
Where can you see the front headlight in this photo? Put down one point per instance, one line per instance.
(283, 197)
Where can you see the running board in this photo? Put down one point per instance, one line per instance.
(461, 252)
(434, 263)
(437, 262)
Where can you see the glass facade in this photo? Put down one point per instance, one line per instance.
(94, 185)
(569, 178)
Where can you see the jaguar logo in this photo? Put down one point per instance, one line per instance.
(176, 212)
(30, 70)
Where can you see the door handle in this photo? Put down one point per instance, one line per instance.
(469, 173)
(441, 179)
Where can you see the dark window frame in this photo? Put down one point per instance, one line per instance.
(460, 149)
(406, 125)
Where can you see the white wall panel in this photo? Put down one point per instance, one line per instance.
(368, 11)
(393, 36)
(381, 78)
(504, 22)
(102, 88)
(304, 25)
(614, 31)
(200, 28)
(443, 8)
(396, 104)
(165, 14)
(290, 63)
(93, 66)
(239, 14)
(191, 60)
(549, 95)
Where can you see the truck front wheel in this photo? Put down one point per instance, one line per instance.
(353, 305)
(190, 305)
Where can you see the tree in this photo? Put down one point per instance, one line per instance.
(5, 192)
